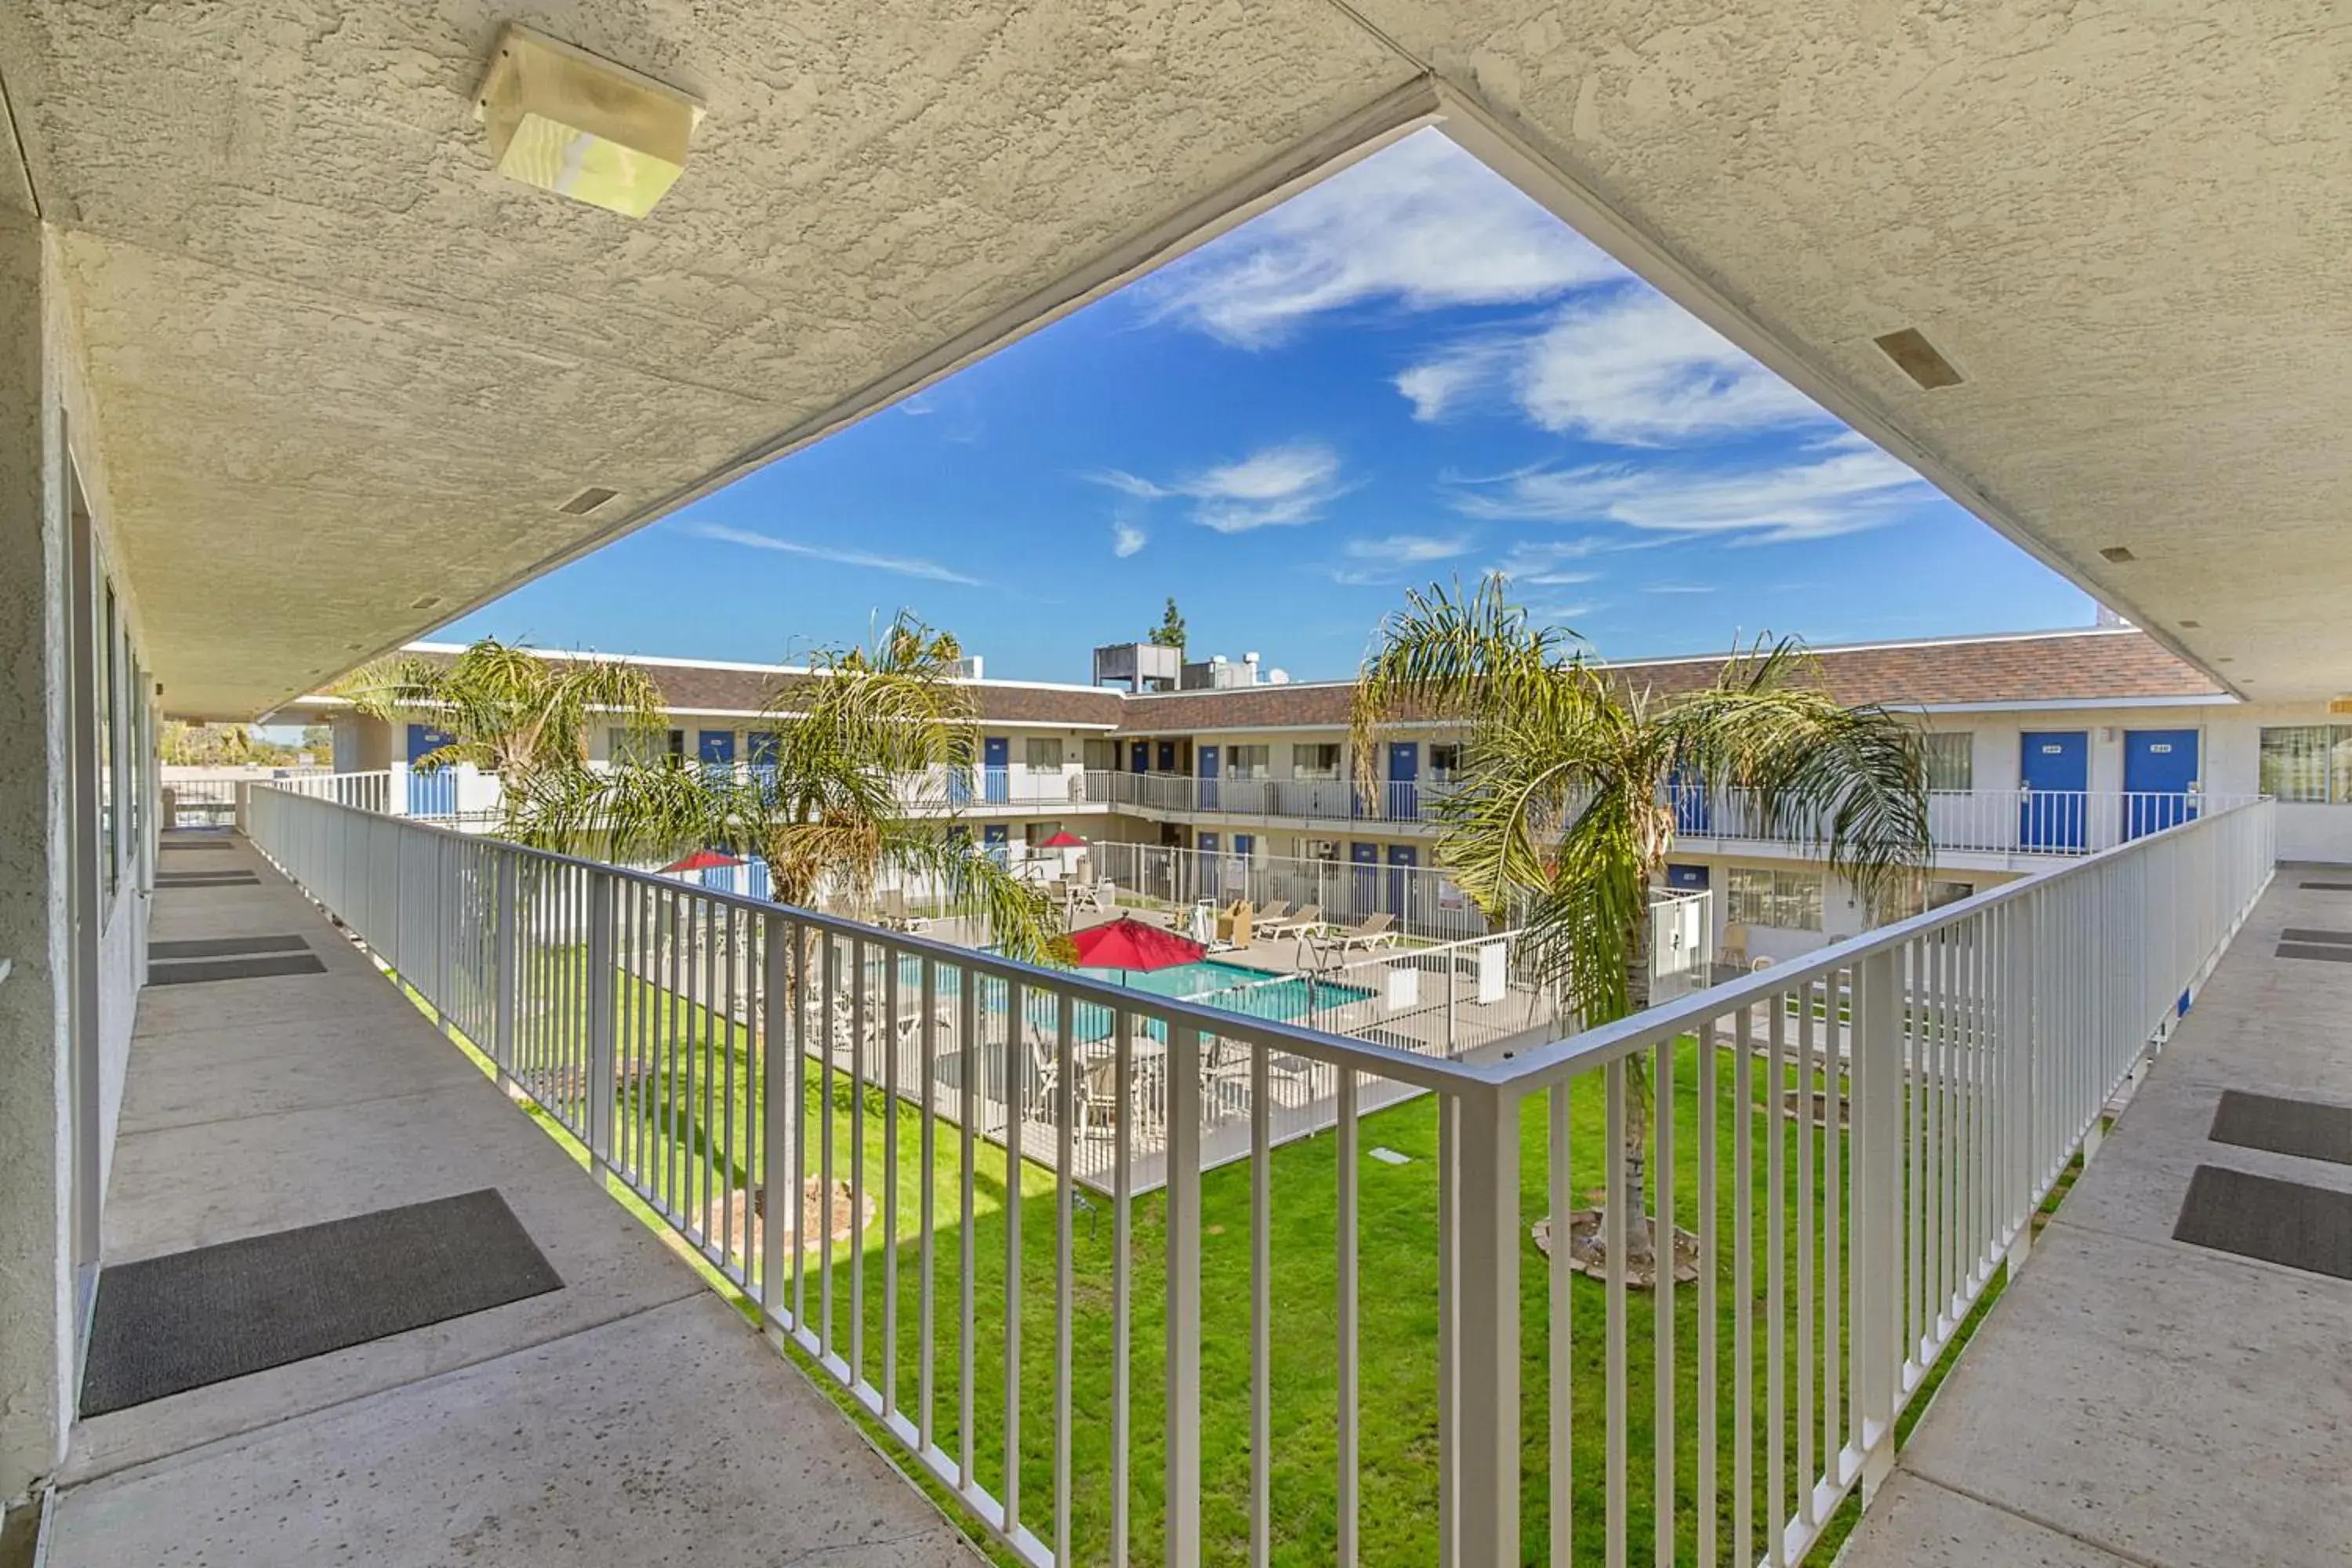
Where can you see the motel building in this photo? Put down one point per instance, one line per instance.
(2041, 748)
(376, 1190)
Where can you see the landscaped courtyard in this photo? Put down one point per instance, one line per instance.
(692, 1116)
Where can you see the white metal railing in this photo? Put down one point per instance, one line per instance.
(363, 791)
(1026, 1344)
(1420, 900)
(1992, 822)
(1295, 799)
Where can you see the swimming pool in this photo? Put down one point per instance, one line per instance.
(1211, 983)
(1236, 987)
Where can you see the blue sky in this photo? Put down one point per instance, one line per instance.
(1409, 373)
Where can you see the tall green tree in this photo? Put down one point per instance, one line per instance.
(861, 783)
(507, 709)
(1564, 817)
(1170, 632)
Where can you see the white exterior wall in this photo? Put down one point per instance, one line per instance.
(76, 950)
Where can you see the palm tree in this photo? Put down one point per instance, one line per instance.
(1564, 818)
(508, 710)
(828, 808)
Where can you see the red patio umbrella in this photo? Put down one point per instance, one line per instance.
(702, 860)
(1064, 840)
(1127, 944)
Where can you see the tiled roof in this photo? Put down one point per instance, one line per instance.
(744, 689)
(2083, 667)
(2053, 667)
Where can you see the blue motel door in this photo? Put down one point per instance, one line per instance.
(714, 749)
(1404, 780)
(996, 769)
(2054, 767)
(2159, 780)
(1207, 760)
(1693, 812)
(1366, 858)
(996, 841)
(1402, 858)
(433, 793)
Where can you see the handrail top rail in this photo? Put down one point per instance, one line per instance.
(1566, 1056)
(1436, 1073)
(1518, 1065)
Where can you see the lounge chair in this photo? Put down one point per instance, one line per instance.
(1375, 931)
(1308, 918)
(895, 915)
(1100, 896)
(1274, 914)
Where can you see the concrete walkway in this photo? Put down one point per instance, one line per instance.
(2137, 1400)
(628, 1418)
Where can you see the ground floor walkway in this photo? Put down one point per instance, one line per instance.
(627, 1417)
(2138, 1399)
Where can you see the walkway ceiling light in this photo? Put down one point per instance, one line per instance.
(568, 122)
(1917, 358)
(587, 500)
(2118, 553)
(2193, 625)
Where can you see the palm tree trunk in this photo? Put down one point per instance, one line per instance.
(1630, 1197)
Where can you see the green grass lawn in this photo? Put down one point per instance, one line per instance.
(702, 1095)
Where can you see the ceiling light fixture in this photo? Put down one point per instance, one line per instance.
(426, 602)
(587, 500)
(1917, 358)
(571, 122)
(2118, 553)
(2193, 625)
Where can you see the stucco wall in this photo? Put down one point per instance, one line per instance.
(44, 413)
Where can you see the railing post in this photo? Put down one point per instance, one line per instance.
(1484, 1248)
(599, 981)
(1877, 1241)
(2017, 1061)
(1182, 1547)
(779, 1115)
(508, 956)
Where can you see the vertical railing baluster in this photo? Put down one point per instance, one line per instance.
(1182, 1527)
(1349, 1448)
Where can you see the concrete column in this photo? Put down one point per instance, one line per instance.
(36, 1292)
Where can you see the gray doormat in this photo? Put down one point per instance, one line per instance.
(226, 946)
(164, 1325)
(2331, 951)
(227, 844)
(2303, 1227)
(191, 971)
(2305, 933)
(2329, 887)
(166, 881)
(2307, 1129)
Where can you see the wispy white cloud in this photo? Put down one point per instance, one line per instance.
(1274, 487)
(1421, 225)
(1844, 493)
(1624, 366)
(1370, 563)
(902, 565)
(1542, 563)
(1125, 539)
(1408, 549)
(1678, 587)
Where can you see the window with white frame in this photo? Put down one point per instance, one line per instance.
(1932, 895)
(1951, 760)
(1044, 754)
(2308, 763)
(1315, 759)
(1249, 761)
(1445, 760)
(1784, 900)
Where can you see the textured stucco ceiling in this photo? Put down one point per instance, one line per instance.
(346, 373)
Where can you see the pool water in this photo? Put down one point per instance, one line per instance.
(1237, 987)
